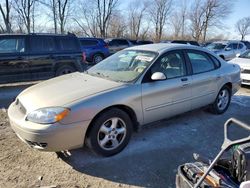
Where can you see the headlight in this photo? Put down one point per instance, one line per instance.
(48, 115)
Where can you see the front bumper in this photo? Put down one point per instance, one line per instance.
(245, 79)
(54, 137)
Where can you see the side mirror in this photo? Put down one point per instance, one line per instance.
(238, 55)
(228, 49)
(158, 76)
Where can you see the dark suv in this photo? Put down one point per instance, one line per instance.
(38, 56)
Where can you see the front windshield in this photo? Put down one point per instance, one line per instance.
(246, 55)
(216, 46)
(123, 66)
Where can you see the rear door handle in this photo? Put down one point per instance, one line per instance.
(184, 79)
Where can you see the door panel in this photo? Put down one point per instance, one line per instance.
(165, 98)
(162, 99)
(14, 64)
(204, 88)
(41, 57)
(204, 78)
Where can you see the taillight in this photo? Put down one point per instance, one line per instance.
(83, 57)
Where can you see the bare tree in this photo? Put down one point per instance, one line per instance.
(86, 19)
(159, 10)
(136, 15)
(243, 27)
(206, 14)
(63, 12)
(117, 25)
(176, 22)
(52, 6)
(196, 19)
(214, 12)
(24, 10)
(5, 11)
(105, 9)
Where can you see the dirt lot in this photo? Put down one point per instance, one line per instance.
(150, 160)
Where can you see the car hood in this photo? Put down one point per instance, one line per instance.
(242, 62)
(63, 90)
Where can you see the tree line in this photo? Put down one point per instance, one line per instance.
(144, 19)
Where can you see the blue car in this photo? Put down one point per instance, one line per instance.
(95, 49)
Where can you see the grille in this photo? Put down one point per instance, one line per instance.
(245, 71)
(246, 81)
(20, 106)
(34, 144)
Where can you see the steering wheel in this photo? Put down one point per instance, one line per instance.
(139, 68)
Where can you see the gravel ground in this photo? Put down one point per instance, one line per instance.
(150, 160)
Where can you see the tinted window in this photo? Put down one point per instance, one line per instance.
(89, 42)
(113, 43)
(240, 46)
(200, 62)
(215, 60)
(122, 42)
(235, 46)
(171, 64)
(67, 44)
(230, 46)
(42, 44)
(12, 45)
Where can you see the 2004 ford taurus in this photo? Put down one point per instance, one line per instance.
(134, 87)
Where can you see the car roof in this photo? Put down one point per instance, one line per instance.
(40, 34)
(163, 47)
(89, 38)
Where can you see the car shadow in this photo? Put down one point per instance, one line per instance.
(153, 155)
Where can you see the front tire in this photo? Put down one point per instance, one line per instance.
(110, 132)
(222, 101)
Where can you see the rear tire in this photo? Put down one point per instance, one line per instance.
(110, 132)
(222, 101)
(65, 69)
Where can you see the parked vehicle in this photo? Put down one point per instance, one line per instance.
(190, 42)
(143, 42)
(95, 49)
(38, 56)
(134, 87)
(133, 42)
(227, 50)
(244, 62)
(181, 42)
(140, 42)
(247, 43)
(116, 45)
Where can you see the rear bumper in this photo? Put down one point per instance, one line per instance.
(236, 86)
(54, 137)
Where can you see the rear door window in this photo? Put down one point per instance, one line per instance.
(12, 45)
(67, 43)
(42, 44)
(200, 62)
